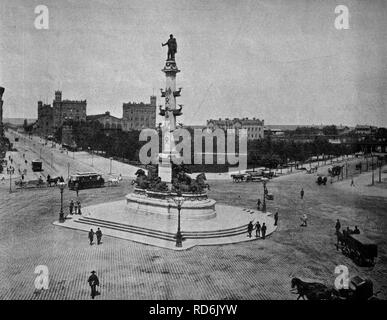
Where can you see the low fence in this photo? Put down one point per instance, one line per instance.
(170, 195)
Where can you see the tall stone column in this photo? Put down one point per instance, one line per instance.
(169, 112)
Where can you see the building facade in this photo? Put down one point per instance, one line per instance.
(254, 127)
(67, 110)
(365, 130)
(45, 119)
(137, 116)
(108, 121)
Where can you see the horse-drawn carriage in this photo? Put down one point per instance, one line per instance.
(238, 177)
(311, 170)
(252, 176)
(335, 171)
(321, 180)
(358, 247)
(359, 289)
(38, 183)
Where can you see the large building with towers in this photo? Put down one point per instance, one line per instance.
(137, 116)
(52, 118)
(64, 110)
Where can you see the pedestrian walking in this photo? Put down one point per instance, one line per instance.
(257, 229)
(302, 193)
(304, 220)
(352, 183)
(91, 236)
(79, 207)
(98, 233)
(93, 283)
(259, 204)
(338, 226)
(75, 207)
(276, 218)
(263, 230)
(250, 228)
(71, 206)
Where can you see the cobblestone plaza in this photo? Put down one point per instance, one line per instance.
(260, 269)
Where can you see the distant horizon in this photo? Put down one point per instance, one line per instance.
(17, 121)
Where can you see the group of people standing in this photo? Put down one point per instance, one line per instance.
(75, 207)
(260, 231)
(98, 234)
(348, 230)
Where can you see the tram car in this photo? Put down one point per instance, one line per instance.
(36, 165)
(85, 180)
(358, 247)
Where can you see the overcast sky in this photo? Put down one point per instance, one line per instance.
(281, 61)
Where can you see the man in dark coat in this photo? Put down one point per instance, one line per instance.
(172, 47)
(79, 207)
(263, 230)
(250, 228)
(93, 282)
(259, 204)
(71, 206)
(257, 229)
(77, 188)
(91, 236)
(302, 193)
(98, 233)
(275, 218)
(338, 226)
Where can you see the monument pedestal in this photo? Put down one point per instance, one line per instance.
(161, 204)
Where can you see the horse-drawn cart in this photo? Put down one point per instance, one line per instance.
(358, 247)
(321, 180)
(39, 183)
(359, 289)
(238, 177)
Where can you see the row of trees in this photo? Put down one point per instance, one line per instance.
(267, 152)
(113, 143)
(270, 153)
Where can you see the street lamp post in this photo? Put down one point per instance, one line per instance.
(372, 167)
(380, 170)
(264, 196)
(91, 156)
(179, 200)
(62, 186)
(10, 180)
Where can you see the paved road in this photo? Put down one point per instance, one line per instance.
(129, 270)
(57, 162)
